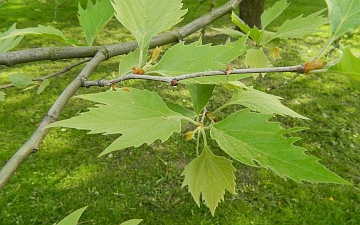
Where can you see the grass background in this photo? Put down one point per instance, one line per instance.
(145, 182)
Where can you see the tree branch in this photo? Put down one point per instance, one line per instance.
(56, 53)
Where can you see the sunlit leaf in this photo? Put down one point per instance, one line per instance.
(260, 101)
(348, 65)
(73, 218)
(230, 31)
(146, 18)
(251, 139)
(130, 60)
(195, 57)
(237, 49)
(11, 42)
(43, 85)
(140, 116)
(94, 18)
(273, 12)
(132, 222)
(21, 80)
(254, 32)
(343, 15)
(200, 95)
(300, 26)
(256, 58)
(209, 176)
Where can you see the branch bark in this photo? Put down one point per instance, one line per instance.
(99, 54)
(56, 53)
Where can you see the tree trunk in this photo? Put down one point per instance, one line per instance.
(250, 12)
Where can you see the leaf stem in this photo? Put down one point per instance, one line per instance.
(327, 44)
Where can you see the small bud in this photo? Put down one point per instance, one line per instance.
(155, 54)
(174, 82)
(313, 65)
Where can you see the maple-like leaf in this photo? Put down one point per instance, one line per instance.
(140, 116)
(259, 101)
(249, 138)
(94, 18)
(183, 59)
(146, 18)
(343, 15)
(256, 58)
(348, 65)
(209, 176)
(273, 12)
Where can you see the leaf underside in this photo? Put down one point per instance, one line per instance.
(251, 139)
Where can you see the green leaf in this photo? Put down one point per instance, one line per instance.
(348, 65)
(273, 12)
(130, 60)
(215, 79)
(179, 109)
(43, 85)
(260, 101)
(209, 176)
(230, 31)
(94, 18)
(343, 15)
(73, 218)
(2, 96)
(146, 18)
(48, 31)
(200, 95)
(140, 116)
(251, 139)
(21, 80)
(132, 222)
(182, 59)
(9, 43)
(254, 33)
(256, 58)
(237, 49)
(299, 26)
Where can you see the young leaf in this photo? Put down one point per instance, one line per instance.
(73, 218)
(140, 116)
(254, 33)
(200, 95)
(237, 48)
(348, 65)
(182, 59)
(260, 101)
(130, 60)
(251, 139)
(2, 96)
(209, 175)
(43, 85)
(343, 15)
(256, 58)
(299, 26)
(273, 12)
(21, 80)
(132, 222)
(179, 109)
(146, 18)
(48, 31)
(94, 18)
(230, 32)
(9, 43)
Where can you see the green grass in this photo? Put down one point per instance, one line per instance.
(67, 174)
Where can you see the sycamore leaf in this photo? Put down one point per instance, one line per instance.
(2, 96)
(348, 65)
(140, 116)
(343, 15)
(230, 31)
(237, 49)
(179, 109)
(11, 42)
(200, 95)
(43, 85)
(256, 58)
(209, 176)
(48, 31)
(94, 18)
(146, 18)
(132, 222)
(299, 26)
(254, 33)
(251, 139)
(260, 101)
(183, 59)
(273, 12)
(73, 218)
(21, 80)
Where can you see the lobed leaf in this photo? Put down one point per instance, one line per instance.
(140, 116)
(146, 18)
(21, 80)
(183, 59)
(343, 15)
(237, 49)
(348, 65)
(73, 218)
(273, 12)
(251, 139)
(260, 101)
(256, 58)
(94, 18)
(209, 176)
